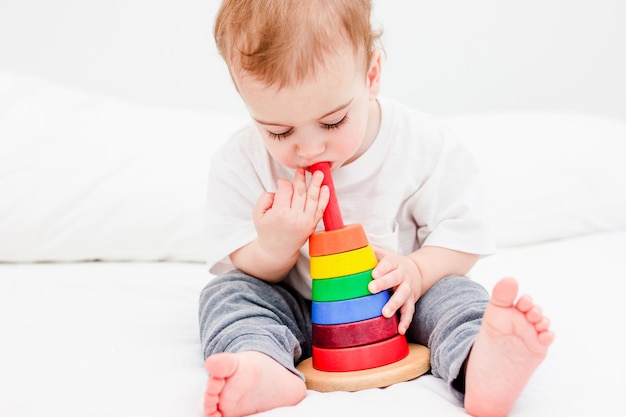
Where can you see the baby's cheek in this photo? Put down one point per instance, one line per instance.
(284, 157)
(351, 144)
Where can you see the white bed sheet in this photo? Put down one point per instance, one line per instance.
(121, 339)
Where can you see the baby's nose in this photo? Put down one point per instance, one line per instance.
(310, 149)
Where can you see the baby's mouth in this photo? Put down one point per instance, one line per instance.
(320, 166)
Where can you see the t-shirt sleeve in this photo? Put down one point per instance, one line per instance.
(233, 189)
(450, 202)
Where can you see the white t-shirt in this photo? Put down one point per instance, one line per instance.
(415, 186)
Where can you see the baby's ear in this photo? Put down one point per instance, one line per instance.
(373, 74)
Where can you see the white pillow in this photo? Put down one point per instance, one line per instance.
(84, 177)
(548, 176)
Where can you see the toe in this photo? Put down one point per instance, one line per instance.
(546, 338)
(221, 365)
(210, 405)
(534, 315)
(504, 293)
(215, 386)
(525, 303)
(542, 325)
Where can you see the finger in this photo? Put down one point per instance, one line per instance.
(263, 204)
(380, 284)
(390, 308)
(299, 197)
(380, 252)
(406, 316)
(284, 193)
(322, 203)
(389, 278)
(392, 305)
(399, 298)
(313, 193)
(385, 266)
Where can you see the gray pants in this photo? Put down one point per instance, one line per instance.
(241, 313)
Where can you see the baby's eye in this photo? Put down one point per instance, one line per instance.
(279, 136)
(330, 126)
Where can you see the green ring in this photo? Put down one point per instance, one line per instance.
(342, 288)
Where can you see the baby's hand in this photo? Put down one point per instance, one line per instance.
(401, 274)
(284, 220)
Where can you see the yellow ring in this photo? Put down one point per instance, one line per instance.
(341, 264)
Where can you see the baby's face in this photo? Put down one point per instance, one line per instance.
(332, 118)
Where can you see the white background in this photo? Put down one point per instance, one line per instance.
(443, 56)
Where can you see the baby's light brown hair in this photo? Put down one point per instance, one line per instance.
(283, 42)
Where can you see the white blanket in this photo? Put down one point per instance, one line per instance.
(121, 339)
(101, 257)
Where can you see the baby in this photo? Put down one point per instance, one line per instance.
(309, 73)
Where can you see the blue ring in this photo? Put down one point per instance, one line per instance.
(348, 311)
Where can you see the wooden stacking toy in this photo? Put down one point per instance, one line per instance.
(354, 346)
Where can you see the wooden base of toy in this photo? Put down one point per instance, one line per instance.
(415, 364)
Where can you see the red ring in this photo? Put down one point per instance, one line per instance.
(361, 357)
(357, 333)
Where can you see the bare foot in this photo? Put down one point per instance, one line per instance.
(513, 340)
(245, 383)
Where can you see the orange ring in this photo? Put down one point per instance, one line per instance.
(361, 357)
(331, 242)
